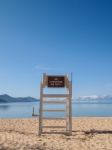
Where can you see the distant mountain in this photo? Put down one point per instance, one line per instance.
(107, 99)
(8, 99)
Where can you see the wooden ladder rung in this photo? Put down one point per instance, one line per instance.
(55, 118)
(54, 102)
(53, 126)
(54, 132)
(54, 110)
(35, 115)
(55, 95)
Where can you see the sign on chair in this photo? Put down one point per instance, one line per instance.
(56, 81)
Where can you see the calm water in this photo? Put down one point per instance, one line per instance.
(24, 110)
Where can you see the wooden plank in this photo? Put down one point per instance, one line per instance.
(40, 110)
(70, 109)
(55, 102)
(53, 126)
(55, 118)
(54, 110)
(55, 95)
(35, 115)
(54, 132)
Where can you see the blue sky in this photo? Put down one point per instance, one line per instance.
(57, 37)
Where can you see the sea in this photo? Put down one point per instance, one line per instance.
(25, 109)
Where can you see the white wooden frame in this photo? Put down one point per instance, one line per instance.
(67, 101)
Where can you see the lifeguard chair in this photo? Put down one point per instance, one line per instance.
(56, 81)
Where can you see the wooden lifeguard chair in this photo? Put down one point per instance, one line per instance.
(56, 81)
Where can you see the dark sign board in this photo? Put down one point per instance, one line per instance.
(56, 81)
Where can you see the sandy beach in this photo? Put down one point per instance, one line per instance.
(87, 134)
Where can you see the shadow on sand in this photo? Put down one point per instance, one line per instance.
(93, 131)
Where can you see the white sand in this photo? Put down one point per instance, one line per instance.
(87, 134)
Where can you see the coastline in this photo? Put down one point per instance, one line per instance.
(88, 133)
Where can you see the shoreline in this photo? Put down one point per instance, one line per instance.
(72, 117)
